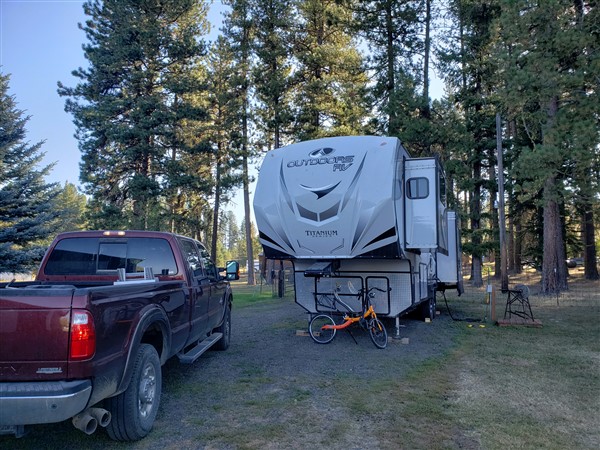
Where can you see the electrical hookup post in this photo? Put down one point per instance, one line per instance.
(491, 300)
(489, 308)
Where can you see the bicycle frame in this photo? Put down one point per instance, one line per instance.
(330, 301)
(350, 320)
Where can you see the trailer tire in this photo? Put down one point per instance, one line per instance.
(133, 411)
(428, 309)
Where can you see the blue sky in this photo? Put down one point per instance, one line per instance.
(40, 44)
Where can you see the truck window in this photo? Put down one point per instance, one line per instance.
(209, 265)
(112, 256)
(96, 256)
(150, 252)
(73, 257)
(417, 188)
(190, 253)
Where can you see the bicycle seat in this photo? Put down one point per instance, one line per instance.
(352, 289)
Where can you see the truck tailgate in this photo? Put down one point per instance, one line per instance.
(34, 332)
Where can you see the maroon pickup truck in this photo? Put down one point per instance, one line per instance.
(86, 340)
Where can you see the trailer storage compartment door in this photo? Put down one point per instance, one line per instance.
(424, 196)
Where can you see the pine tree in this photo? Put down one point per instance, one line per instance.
(587, 166)
(223, 130)
(29, 211)
(238, 30)
(391, 30)
(272, 45)
(131, 100)
(549, 90)
(470, 72)
(330, 77)
(73, 206)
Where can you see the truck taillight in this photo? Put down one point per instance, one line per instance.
(83, 335)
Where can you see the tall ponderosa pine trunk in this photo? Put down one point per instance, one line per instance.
(554, 269)
(393, 125)
(475, 209)
(554, 265)
(246, 181)
(245, 64)
(493, 222)
(589, 249)
(238, 30)
(426, 112)
(217, 207)
(518, 246)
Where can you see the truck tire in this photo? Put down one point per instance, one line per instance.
(225, 328)
(133, 411)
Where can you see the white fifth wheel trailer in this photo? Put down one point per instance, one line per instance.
(359, 209)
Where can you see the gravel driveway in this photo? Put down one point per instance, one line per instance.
(275, 389)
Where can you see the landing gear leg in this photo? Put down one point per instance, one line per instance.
(397, 328)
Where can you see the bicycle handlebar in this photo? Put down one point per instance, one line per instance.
(380, 290)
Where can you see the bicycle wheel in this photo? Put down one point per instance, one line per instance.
(315, 328)
(378, 333)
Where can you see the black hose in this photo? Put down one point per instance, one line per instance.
(468, 319)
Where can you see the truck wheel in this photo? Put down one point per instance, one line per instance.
(225, 328)
(133, 411)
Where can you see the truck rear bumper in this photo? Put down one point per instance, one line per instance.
(42, 402)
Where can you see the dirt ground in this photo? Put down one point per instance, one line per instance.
(274, 388)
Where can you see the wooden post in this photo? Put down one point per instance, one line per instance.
(493, 305)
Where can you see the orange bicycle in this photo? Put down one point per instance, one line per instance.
(322, 327)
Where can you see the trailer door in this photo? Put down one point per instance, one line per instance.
(425, 224)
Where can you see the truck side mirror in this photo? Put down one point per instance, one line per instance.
(232, 270)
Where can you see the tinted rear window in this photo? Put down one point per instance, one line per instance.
(98, 256)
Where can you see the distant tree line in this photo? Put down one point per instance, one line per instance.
(169, 124)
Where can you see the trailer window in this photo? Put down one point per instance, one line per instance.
(417, 188)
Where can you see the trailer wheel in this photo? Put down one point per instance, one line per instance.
(133, 411)
(428, 309)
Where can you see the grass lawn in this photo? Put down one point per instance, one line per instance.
(497, 387)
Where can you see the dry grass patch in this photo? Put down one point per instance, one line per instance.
(535, 387)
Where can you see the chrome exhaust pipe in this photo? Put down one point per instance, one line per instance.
(101, 415)
(85, 422)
